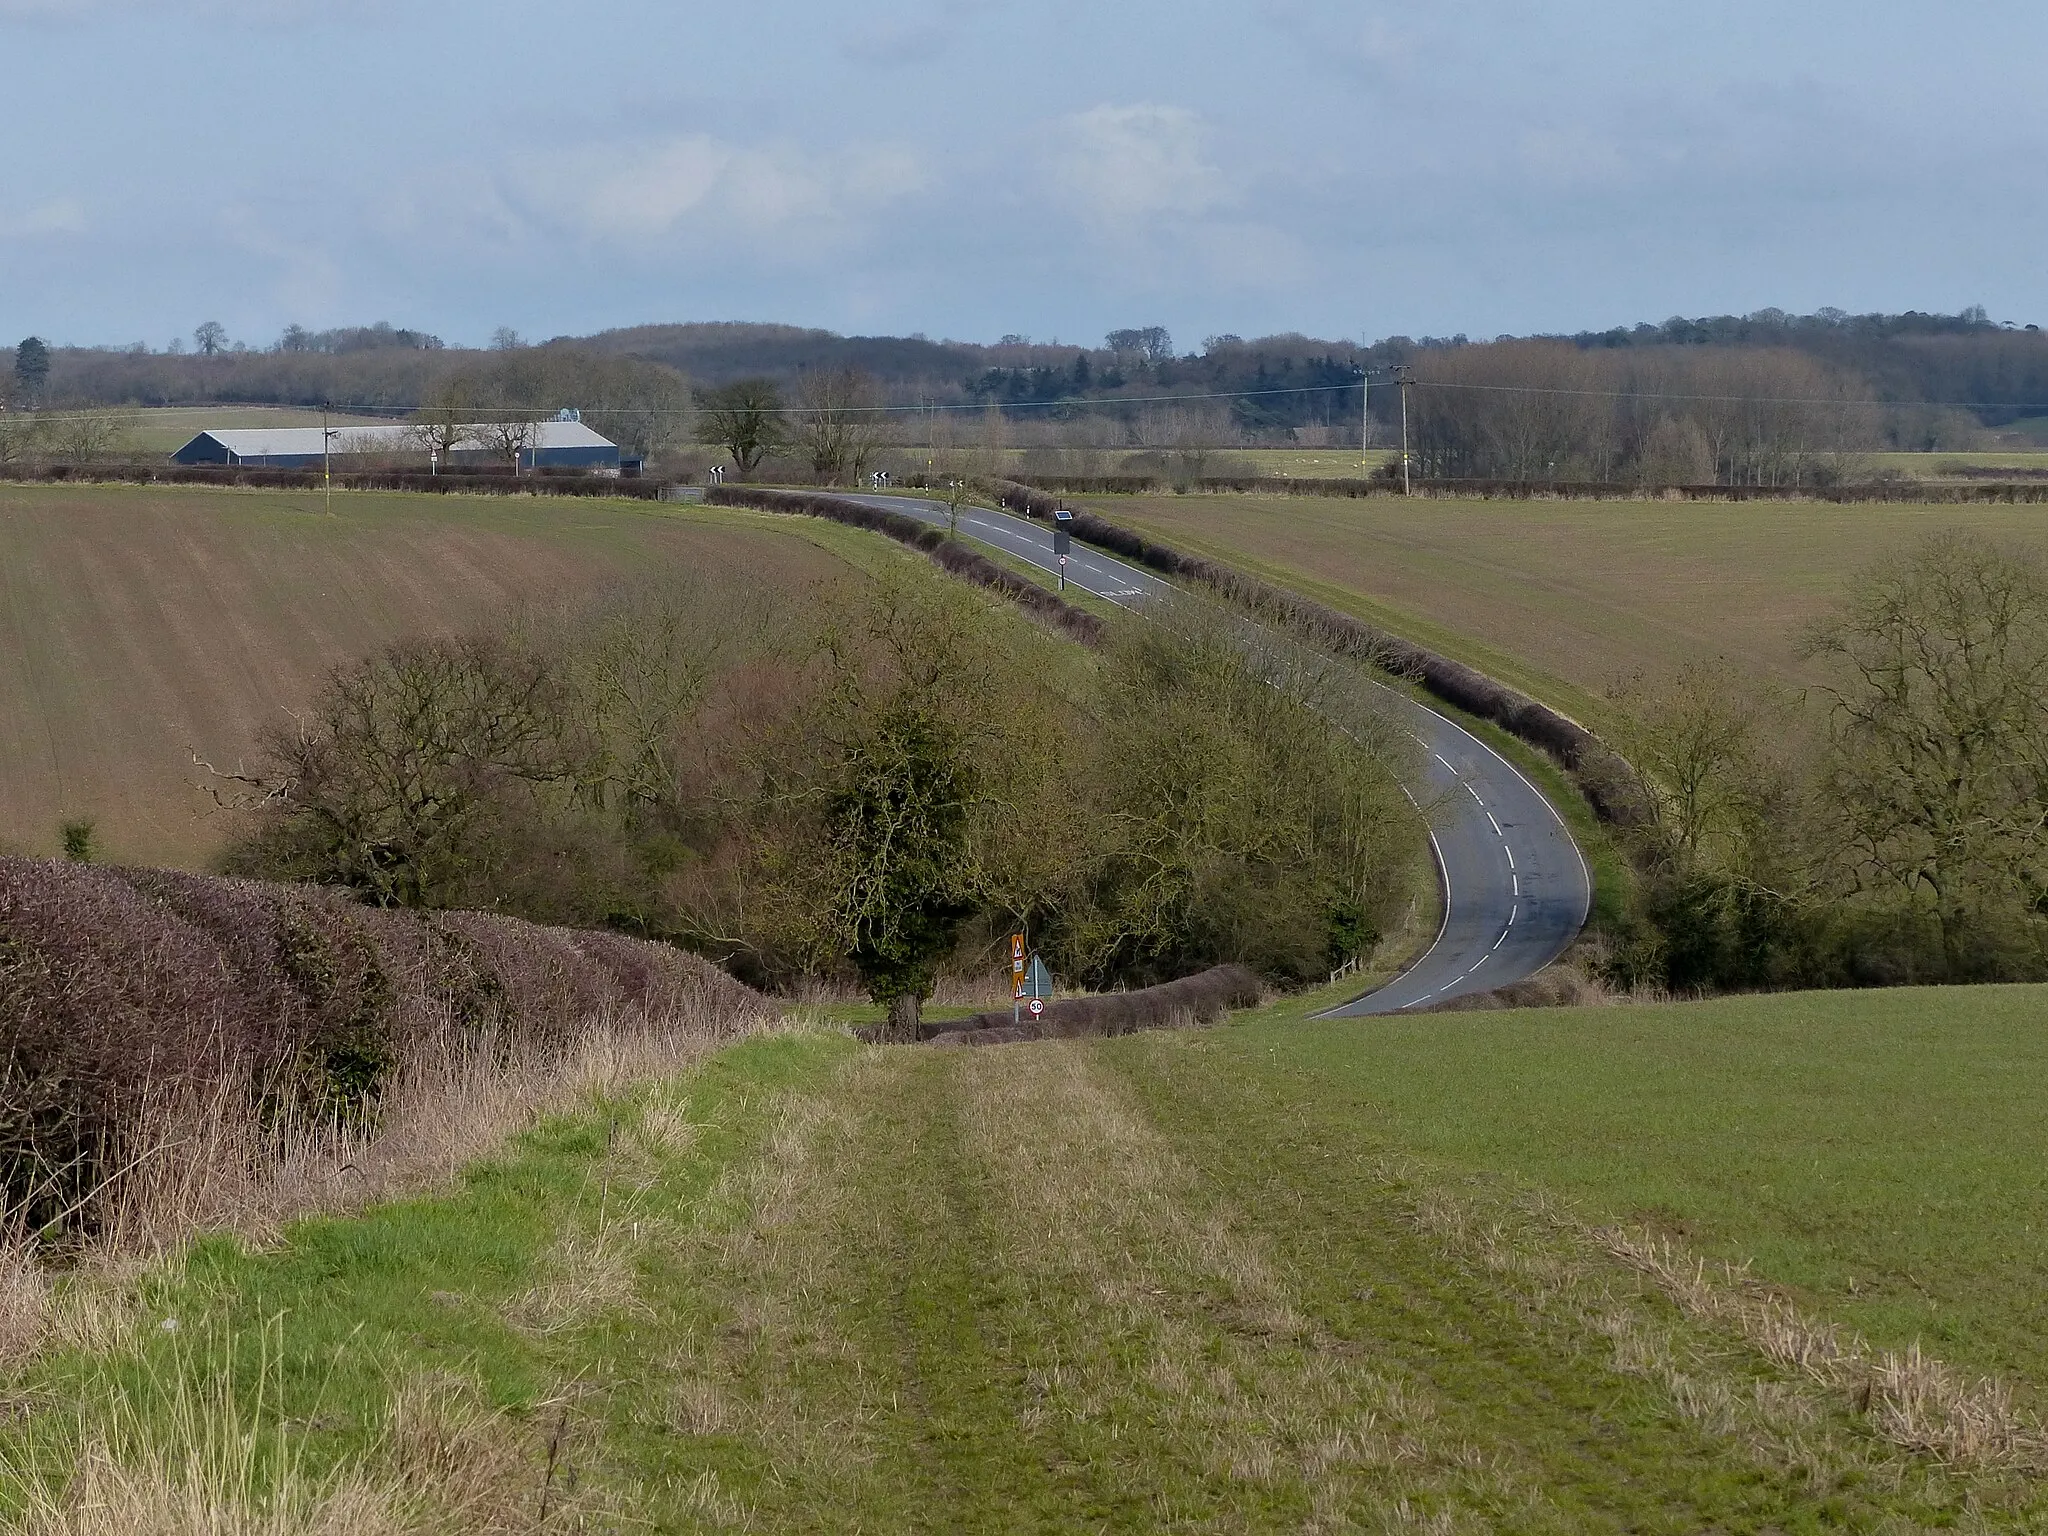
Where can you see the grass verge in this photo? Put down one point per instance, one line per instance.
(1432, 1275)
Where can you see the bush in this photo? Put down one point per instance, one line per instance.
(1199, 999)
(124, 990)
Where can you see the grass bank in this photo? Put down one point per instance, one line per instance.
(1423, 1275)
(142, 624)
(1560, 597)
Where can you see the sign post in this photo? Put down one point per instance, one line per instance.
(1016, 973)
(1062, 538)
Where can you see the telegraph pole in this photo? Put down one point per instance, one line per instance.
(1364, 420)
(1403, 374)
(327, 458)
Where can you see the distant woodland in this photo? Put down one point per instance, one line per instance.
(1767, 398)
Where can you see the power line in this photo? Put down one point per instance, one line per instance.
(481, 412)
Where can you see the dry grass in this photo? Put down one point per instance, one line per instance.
(206, 1462)
(1915, 1402)
(191, 1456)
(211, 1167)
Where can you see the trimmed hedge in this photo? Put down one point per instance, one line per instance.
(1606, 780)
(467, 482)
(122, 989)
(1528, 490)
(1076, 623)
(1199, 999)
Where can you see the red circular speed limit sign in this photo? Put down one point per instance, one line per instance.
(1037, 1006)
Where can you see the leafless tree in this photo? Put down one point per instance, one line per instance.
(444, 420)
(211, 338)
(510, 437)
(744, 418)
(86, 436)
(842, 425)
(1939, 763)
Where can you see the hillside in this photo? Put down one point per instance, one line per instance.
(139, 626)
(1563, 597)
(1286, 388)
(1433, 1275)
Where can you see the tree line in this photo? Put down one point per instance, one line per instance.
(1889, 826)
(1769, 398)
(870, 782)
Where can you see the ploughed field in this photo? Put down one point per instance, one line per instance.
(1761, 1264)
(1562, 597)
(140, 625)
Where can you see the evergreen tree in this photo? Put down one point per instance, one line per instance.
(31, 367)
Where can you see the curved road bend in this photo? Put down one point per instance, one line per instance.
(1516, 890)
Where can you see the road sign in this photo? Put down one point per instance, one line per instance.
(1062, 541)
(1037, 981)
(1037, 1006)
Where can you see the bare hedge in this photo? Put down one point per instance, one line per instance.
(458, 481)
(2023, 487)
(1605, 779)
(122, 988)
(1199, 999)
(1076, 623)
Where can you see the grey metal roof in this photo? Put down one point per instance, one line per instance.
(299, 442)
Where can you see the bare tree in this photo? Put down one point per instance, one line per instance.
(1142, 344)
(86, 436)
(1939, 764)
(444, 420)
(842, 423)
(211, 338)
(744, 418)
(511, 437)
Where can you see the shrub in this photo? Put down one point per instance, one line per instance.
(1198, 999)
(126, 991)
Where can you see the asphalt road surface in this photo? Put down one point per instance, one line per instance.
(1516, 889)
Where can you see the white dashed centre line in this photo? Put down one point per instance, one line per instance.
(1496, 825)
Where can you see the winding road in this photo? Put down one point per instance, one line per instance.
(1516, 889)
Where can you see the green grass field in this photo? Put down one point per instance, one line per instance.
(147, 431)
(1350, 463)
(1561, 597)
(139, 625)
(1271, 1276)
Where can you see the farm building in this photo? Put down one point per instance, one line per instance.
(562, 444)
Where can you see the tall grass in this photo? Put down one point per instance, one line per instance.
(184, 1054)
(160, 1030)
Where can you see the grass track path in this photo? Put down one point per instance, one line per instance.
(1085, 1286)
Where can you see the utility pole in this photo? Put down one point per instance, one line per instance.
(1403, 375)
(1364, 421)
(327, 458)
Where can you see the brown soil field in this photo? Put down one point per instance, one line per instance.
(140, 625)
(1562, 597)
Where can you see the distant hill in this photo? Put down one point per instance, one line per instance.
(1281, 382)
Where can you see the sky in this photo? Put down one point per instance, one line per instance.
(1050, 168)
